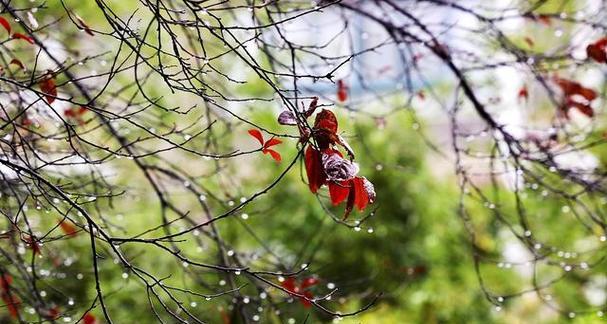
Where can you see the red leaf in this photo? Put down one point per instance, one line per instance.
(257, 134)
(529, 41)
(582, 107)
(23, 37)
(601, 43)
(275, 155)
(12, 303)
(52, 313)
(26, 121)
(306, 302)
(589, 94)
(325, 129)
(421, 95)
(326, 120)
(5, 24)
(314, 170)
(75, 114)
(369, 190)
(571, 88)
(224, 316)
(271, 142)
(349, 203)
(361, 198)
(5, 281)
(286, 117)
(289, 284)
(264, 146)
(17, 63)
(545, 19)
(342, 91)
(523, 93)
(311, 107)
(89, 318)
(48, 87)
(339, 192)
(361, 194)
(68, 228)
(33, 244)
(597, 51)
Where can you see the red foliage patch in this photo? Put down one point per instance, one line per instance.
(324, 163)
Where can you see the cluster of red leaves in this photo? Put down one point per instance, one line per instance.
(356, 189)
(291, 285)
(576, 96)
(324, 163)
(20, 36)
(11, 300)
(342, 91)
(265, 145)
(598, 50)
(76, 114)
